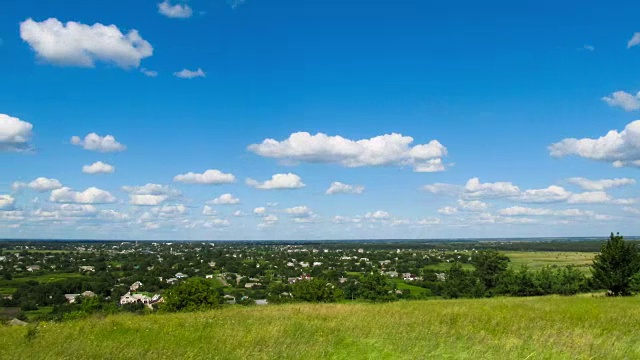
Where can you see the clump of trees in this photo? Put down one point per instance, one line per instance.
(617, 267)
(316, 290)
(195, 294)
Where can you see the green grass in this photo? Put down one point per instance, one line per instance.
(10, 286)
(34, 314)
(502, 328)
(536, 260)
(415, 290)
(444, 266)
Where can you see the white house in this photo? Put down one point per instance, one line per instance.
(135, 286)
(181, 275)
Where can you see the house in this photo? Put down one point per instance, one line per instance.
(393, 274)
(360, 251)
(212, 264)
(290, 264)
(135, 286)
(3, 258)
(304, 264)
(129, 298)
(71, 298)
(172, 281)
(229, 299)
(409, 277)
(88, 294)
(208, 276)
(317, 263)
(441, 276)
(32, 268)
(87, 268)
(261, 302)
(181, 275)
(251, 285)
(343, 280)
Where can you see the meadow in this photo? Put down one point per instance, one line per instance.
(577, 327)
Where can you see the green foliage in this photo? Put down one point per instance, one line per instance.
(32, 332)
(192, 295)
(316, 290)
(375, 287)
(546, 281)
(489, 265)
(462, 284)
(615, 266)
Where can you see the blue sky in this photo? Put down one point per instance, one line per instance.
(487, 91)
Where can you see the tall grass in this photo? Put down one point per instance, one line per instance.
(579, 327)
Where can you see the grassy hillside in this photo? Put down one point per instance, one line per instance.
(517, 328)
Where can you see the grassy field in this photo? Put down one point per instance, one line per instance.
(581, 327)
(10, 286)
(536, 260)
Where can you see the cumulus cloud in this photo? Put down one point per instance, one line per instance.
(209, 177)
(623, 100)
(299, 211)
(113, 215)
(551, 194)
(590, 197)
(151, 189)
(377, 215)
(146, 199)
(384, 150)
(268, 220)
(180, 11)
(440, 188)
(448, 210)
(225, 199)
(340, 188)
(524, 211)
(77, 44)
(7, 202)
(474, 188)
(235, 3)
(95, 142)
(40, 184)
(238, 213)
(260, 211)
(209, 211)
(599, 185)
(91, 195)
(166, 210)
(98, 167)
(619, 148)
(15, 134)
(190, 74)
(429, 221)
(149, 73)
(278, 181)
(473, 205)
(635, 40)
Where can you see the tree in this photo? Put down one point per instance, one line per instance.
(615, 266)
(460, 283)
(316, 290)
(192, 295)
(375, 287)
(489, 265)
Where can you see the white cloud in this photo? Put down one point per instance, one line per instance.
(603, 184)
(619, 148)
(235, 3)
(575, 213)
(95, 142)
(216, 223)
(260, 211)
(474, 188)
(624, 100)
(209, 211)
(113, 215)
(299, 211)
(14, 134)
(440, 188)
(384, 150)
(76, 44)
(65, 212)
(211, 176)
(190, 74)
(151, 189)
(429, 221)
(180, 11)
(146, 199)
(343, 219)
(590, 197)
(40, 184)
(278, 181)
(225, 199)
(7, 202)
(98, 168)
(269, 220)
(448, 210)
(91, 195)
(588, 47)
(149, 73)
(635, 40)
(165, 210)
(238, 213)
(473, 205)
(340, 188)
(377, 215)
(551, 194)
